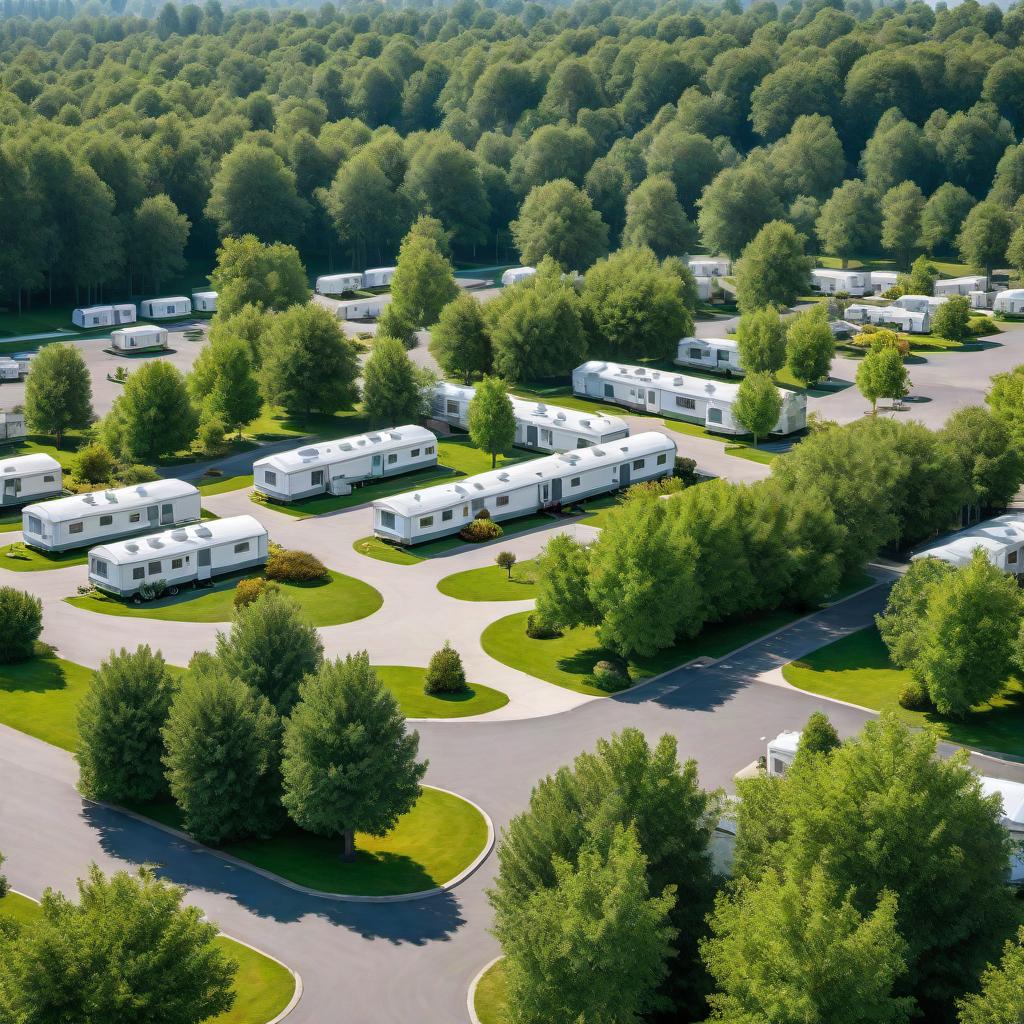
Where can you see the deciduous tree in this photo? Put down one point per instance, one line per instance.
(58, 392)
(558, 220)
(270, 276)
(772, 269)
(460, 341)
(492, 421)
(761, 336)
(810, 345)
(758, 404)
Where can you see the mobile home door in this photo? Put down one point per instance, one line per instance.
(652, 400)
(203, 564)
(624, 475)
(531, 436)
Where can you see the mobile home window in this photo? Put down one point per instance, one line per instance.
(153, 569)
(106, 520)
(48, 478)
(138, 573)
(414, 454)
(429, 450)
(685, 403)
(392, 459)
(662, 459)
(502, 500)
(477, 504)
(76, 527)
(135, 517)
(176, 563)
(574, 482)
(387, 519)
(426, 521)
(1011, 558)
(34, 525)
(638, 463)
(723, 356)
(446, 515)
(545, 436)
(241, 547)
(317, 478)
(714, 415)
(270, 477)
(609, 391)
(695, 353)
(99, 568)
(452, 407)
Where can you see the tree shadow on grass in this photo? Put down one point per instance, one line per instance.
(41, 674)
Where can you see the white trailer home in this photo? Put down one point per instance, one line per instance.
(12, 425)
(141, 338)
(889, 316)
(186, 554)
(338, 284)
(516, 274)
(693, 399)
(539, 426)
(883, 280)
(961, 285)
(523, 489)
(204, 302)
(920, 303)
(1009, 301)
(378, 277)
(720, 355)
(26, 478)
(163, 309)
(104, 316)
(9, 370)
(781, 752)
(1001, 538)
(335, 466)
(707, 267)
(363, 309)
(83, 519)
(24, 361)
(828, 282)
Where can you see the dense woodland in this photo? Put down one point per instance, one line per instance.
(526, 129)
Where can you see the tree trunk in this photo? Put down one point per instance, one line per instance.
(494, 459)
(59, 438)
(845, 262)
(349, 851)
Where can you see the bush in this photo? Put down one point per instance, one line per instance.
(538, 629)
(95, 463)
(21, 622)
(295, 566)
(250, 588)
(685, 469)
(445, 673)
(979, 325)
(483, 514)
(480, 530)
(210, 438)
(610, 676)
(137, 474)
(914, 697)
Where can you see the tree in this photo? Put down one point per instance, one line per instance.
(119, 722)
(392, 388)
(460, 341)
(223, 384)
(850, 222)
(58, 392)
(492, 421)
(308, 363)
(127, 951)
(1001, 999)
(943, 214)
(881, 374)
(223, 743)
(901, 625)
(349, 765)
(921, 279)
(690, 160)
(772, 269)
(758, 404)
(506, 560)
(985, 235)
(596, 908)
(788, 951)
(272, 648)
(990, 463)
(902, 206)
(952, 318)
(21, 623)
(634, 307)
(95, 463)
(1006, 400)
(558, 220)
(250, 324)
(156, 241)
(445, 673)
(1015, 251)
(655, 219)
(249, 272)
(563, 571)
(153, 416)
(423, 283)
(734, 207)
(809, 161)
(819, 735)
(761, 336)
(810, 345)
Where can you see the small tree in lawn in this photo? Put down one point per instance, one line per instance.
(21, 622)
(58, 392)
(953, 318)
(758, 404)
(506, 560)
(818, 736)
(460, 341)
(119, 723)
(445, 673)
(492, 421)
(869, 380)
(810, 345)
(349, 764)
(392, 388)
(95, 463)
(761, 336)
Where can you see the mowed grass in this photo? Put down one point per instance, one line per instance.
(857, 669)
(406, 683)
(10, 520)
(222, 485)
(27, 559)
(263, 987)
(40, 444)
(491, 583)
(40, 697)
(342, 599)
(491, 996)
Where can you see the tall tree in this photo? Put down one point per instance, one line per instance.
(393, 391)
(558, 220)
(735, 206)
(655, 219)
(943, 214)
(423, 283)
(1001, 999)
(902, 206)
(223, 384)
(761, 336)
(460, 340)
(758, 404)
(810, 345)
(270, 276)
(881, 374)
(985, 235)
(850, 221)
(772, 269)
(990, 463)
(156, 241)
(58, 392)
(492, 421)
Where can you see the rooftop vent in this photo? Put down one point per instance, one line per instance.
(8, 469)
(584, 423)
(132, 546)
(504, 476)
(154, 542)
(179, 534)
(598, 452)
(308, 453)
(89, 499)
(345, 446)
(203, 531)
(541, 410)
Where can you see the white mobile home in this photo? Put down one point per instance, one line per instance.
(338, 284)
(920, 303)
(961, 285)
(981, 300)
(695, 399)
(781, 752)
(721, 355)
(890, 316)
(363, 309)
(162, 309)
(104, 316)
(828, 282)
(141, 338)
(523, 489)
(1009, 301)
(539, 426)
(24, 361)
(1002, 540)
(176, 557)
(704, 287)
(204, 302)
(83, 519)
(883, 280)
(12, 425)
(378, 277)
(9, 370)
(29, 477)
(706, 267)
(516, 274)
(334, 466)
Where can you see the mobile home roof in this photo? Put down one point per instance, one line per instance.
(1012, 794)
(678, 383)
(77, 506)
(25, 465)
(182, 540)
(730, 344)
(344, 448)
(140, 330)
(591, 425)
(171, 298)
(995, 535)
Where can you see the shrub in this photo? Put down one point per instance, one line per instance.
(21, 622)
(95, 463)
(210, 438)
(480, 530)
(685, 469)
(506, 560)
(914, 697)
(137, 474)
(538, 629)
(445, 673)
(610, 676)
(979, 325)
(483, 514)
(288, 566)
(249, 589)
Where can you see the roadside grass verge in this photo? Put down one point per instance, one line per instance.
(406, 683)
(491, 996)
(210, 485)
(28, 559)
(491, 583)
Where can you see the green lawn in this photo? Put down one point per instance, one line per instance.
(40, 697)
(491, 583)
(597, 511)
(406, 683)
(221, 485)
(944, 267)
(491, 995)
(30, 560)
(374, 547)
(562, 395)
(277, 425)
(35, 444)
(10, 520)
(263, 987)
(746, 451)
(343, 599)
(857, 669)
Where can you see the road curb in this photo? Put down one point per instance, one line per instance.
(321, 894)
(471, 994)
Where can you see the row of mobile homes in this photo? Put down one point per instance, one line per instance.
(694, 399)
(338, 284)
(706, 267)
(378, 277)
(852, 282)
(516, 274)
(141, 338)
(883, 280)
(334, 467)
(174, 558)
(83, 519)
(1009, 301)
(889, 316)
(24, 361)
(90, 317)
(204, 302)
(363, 309)
(27, 478)
(720, 355)
(539, 426)
(961, 285)
(1002, 540)
(164, 309)
(9, 370)
(523, 489)
(12, 426)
